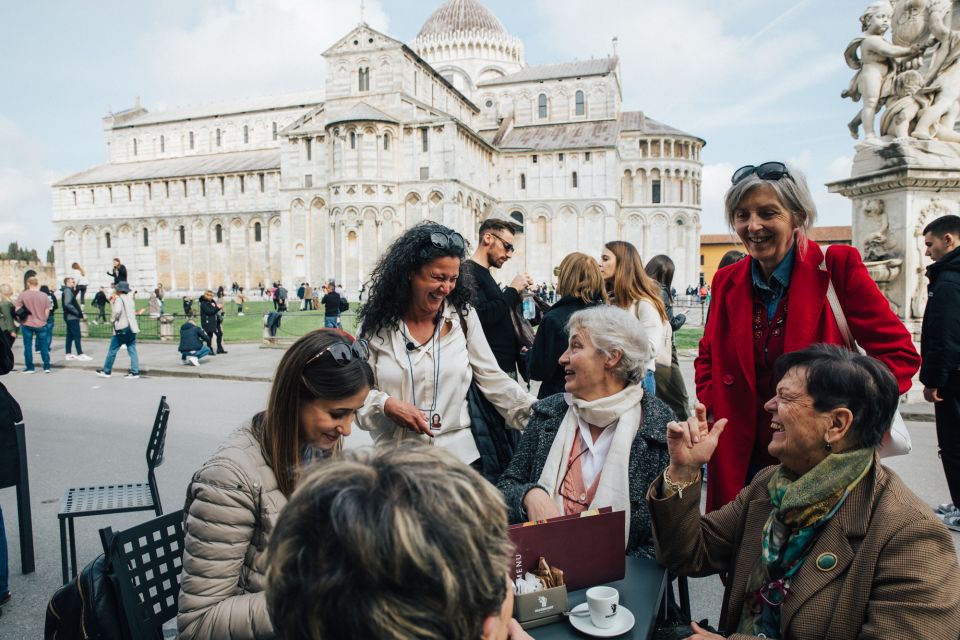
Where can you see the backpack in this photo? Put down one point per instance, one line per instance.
(344, 305)
(87, 607)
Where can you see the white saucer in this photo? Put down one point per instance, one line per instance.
(622, 623)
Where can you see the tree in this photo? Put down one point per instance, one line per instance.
(50, 255)
(16, 252)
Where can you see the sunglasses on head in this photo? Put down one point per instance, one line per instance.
(343, 353)
(447, 240)
(765, 171)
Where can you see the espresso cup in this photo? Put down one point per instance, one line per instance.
(603, 603)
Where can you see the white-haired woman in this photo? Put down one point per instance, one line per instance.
(604, 441)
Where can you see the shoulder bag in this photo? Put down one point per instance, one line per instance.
(126, 334)
(896, 441)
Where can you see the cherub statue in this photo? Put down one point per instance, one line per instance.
(897, 119)
(873, 79)
(942, 80)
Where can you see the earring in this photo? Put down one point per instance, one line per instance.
(828, 447)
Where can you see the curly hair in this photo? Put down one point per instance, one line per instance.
(389, 285)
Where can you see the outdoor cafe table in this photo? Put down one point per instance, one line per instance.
(641, 591)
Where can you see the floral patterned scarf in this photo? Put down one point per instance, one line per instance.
(801, 507)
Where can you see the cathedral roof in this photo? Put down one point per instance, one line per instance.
(232, 107)
(575, 69)
(362, 112)
(638, 121)
(219, 163)
(462, 16)
(556, 137)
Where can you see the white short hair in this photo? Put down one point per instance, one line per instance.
(613, 330)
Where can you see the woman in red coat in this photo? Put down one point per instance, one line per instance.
(773, 302)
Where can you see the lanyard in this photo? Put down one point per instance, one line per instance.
(436, 365)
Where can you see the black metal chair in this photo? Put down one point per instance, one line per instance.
(78, 502)
(146, 562)
(13, 473)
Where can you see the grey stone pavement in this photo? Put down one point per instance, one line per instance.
(82, 429)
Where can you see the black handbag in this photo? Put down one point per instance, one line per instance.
(21, 314)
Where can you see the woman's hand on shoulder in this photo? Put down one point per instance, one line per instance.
(406, 415)
(692, 444)
(539, 505)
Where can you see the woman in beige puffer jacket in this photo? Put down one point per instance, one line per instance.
(234, 500)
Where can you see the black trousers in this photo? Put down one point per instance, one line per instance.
(948, 434)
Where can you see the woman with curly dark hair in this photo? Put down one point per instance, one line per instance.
(427, 347)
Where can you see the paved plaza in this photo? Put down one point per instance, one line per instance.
(82, 429)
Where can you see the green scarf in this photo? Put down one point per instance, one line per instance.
(801, 507)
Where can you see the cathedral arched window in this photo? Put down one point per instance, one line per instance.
(574, 180)
(218, 137)
(146, 237)
(134, 146)
(218, 230)
(106, 238)
(386, 142)
(353, 140)
(274, 130)
(542, 230)
(183, 234)
(246, 134)
(191, 139)
(523, 181)
(581, 104)
(162, 144)
(364, 77)
(542, 106)
(257, 232)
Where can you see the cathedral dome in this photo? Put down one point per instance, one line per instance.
(462, 16)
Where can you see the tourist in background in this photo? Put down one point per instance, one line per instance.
(240, 299)
(193, 343)
(119, 272)
(80, 275)
(775, 301)
(36, 306)
(670, 386)
(100, 302)
(318, 293)
(72, 315)
(629, 287)
(153, 304)
(579, 285)
(331, 308)
(125, 330)
(234, 500)
(427, 347)
(601, 444)
(210, 320)
(161, 293)
(307, 297)
(828, 543)
(51, 317)
(8, 324)
(373, 503)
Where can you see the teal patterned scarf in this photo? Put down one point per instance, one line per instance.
(801, 507)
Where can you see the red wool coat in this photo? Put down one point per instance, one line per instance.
(725, 370)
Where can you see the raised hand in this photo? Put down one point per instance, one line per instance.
(407, 415)
(691, 444)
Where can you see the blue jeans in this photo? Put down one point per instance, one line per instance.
(649, 384)
(73, 335)
(112, 355)
(42, 343)
(330, 322)
(199, 353)
(50, 332)
(4, 559)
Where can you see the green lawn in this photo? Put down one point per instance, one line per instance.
(688, 337)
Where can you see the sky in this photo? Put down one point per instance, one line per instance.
(759, 80)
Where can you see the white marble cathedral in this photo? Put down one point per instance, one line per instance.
(454, 128)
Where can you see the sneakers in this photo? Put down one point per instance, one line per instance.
(29, 370)
(194, 360)
(70, 356)
(184, 361)
(46, 370)
(947, 509)
(84, 357)
(132, 376)
(102, 373)
(952, 522)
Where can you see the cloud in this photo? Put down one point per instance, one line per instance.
(839, 168)
(25, 199)
(716, 180)
(249, 48)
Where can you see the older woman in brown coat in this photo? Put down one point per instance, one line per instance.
(827, 544)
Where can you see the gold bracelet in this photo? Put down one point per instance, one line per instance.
(675, 487)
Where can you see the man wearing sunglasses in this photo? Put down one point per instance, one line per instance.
(495, 247)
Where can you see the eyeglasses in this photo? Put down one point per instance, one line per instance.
(509, 248)
(343, 353)
(447, 240)
(765, 171)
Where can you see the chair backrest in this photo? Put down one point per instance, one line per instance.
(158, 436)
(146, 562)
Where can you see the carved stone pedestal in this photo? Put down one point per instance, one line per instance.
(896, 191)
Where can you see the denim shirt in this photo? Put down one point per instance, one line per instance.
(771, 294)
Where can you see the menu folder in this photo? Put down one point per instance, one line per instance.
(588, 547)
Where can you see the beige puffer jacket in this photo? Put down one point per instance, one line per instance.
(232, 506)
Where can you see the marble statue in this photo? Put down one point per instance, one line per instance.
(913, 81)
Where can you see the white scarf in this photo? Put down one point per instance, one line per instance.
(613, 490)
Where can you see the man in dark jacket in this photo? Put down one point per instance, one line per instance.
(193, 343)
(493, 305)
(940, 350)
(331, 307)
(72, 315)
(100, 302)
